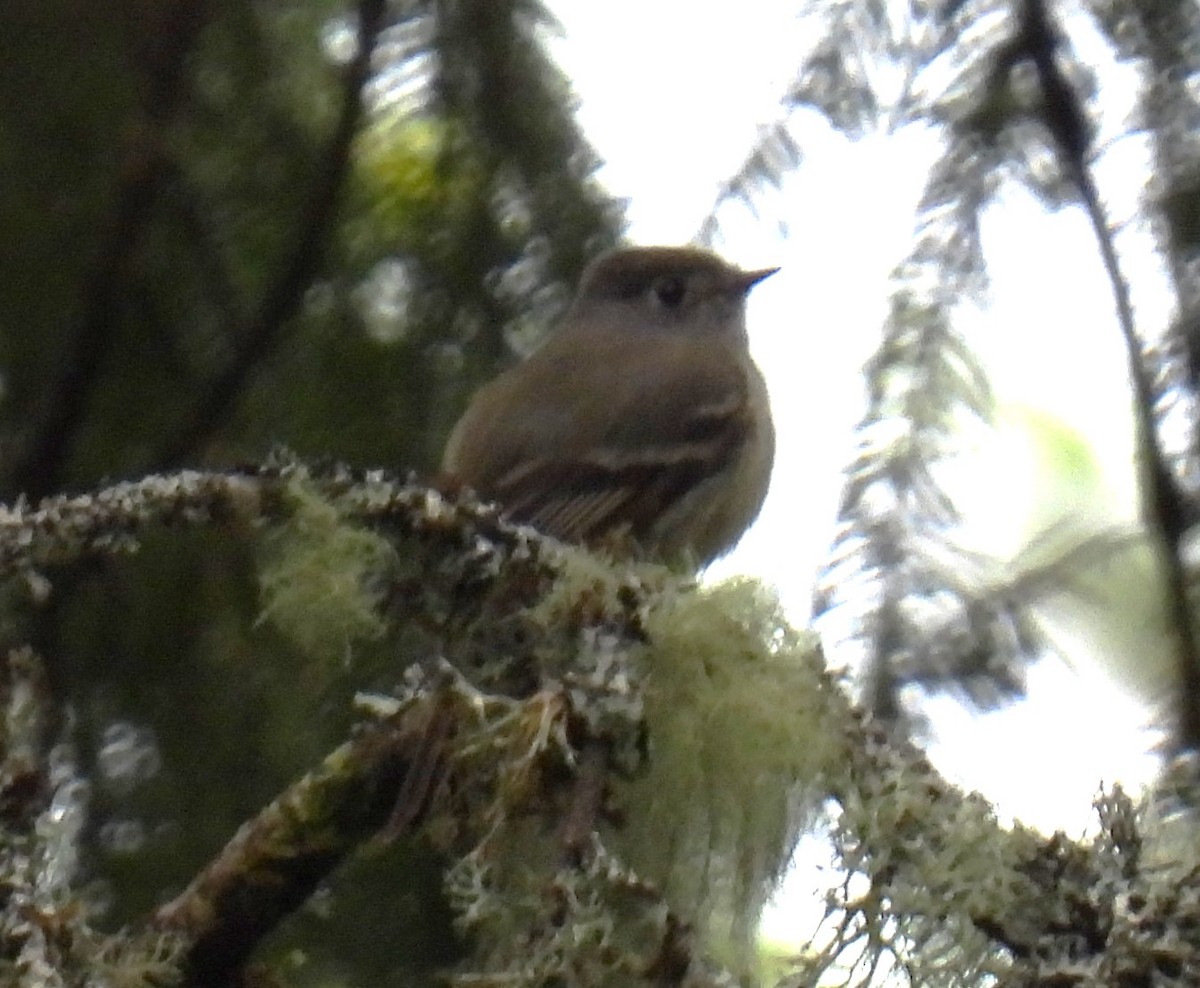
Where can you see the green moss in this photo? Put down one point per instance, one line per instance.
(740, 743)
(321, 578)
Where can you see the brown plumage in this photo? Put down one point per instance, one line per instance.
(643, 418)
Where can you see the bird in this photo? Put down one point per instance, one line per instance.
(642, 424)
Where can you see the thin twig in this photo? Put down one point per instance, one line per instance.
(1164, 511)
(587, 799)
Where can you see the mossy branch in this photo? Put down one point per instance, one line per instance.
(276, 860)
(618, 786)
(61, 530)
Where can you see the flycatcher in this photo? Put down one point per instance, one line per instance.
(642, 422)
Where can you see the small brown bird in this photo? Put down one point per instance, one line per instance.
(643, 420)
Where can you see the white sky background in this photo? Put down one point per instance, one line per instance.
(671, 95)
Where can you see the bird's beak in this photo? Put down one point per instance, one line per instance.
(748, 279)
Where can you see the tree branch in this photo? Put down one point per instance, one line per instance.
(40, 468)
(276, 860)
(1164, 509)
(261, 335)
(62, 530)
(505, 776)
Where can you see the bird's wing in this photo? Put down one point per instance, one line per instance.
(579, 461)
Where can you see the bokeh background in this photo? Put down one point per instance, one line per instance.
(234, 224)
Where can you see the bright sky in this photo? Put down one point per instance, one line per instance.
(673, 106)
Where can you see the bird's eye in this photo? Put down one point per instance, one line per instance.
(669, 290)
